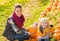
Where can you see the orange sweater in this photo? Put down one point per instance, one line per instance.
(46, 30)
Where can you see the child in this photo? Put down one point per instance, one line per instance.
(14, 25)
(33, 32)
(43, 30)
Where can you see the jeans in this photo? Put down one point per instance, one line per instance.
(44, 39)
(21, 37)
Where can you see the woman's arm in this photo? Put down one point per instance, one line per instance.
(14, 27)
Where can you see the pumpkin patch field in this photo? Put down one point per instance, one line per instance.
(32, 11)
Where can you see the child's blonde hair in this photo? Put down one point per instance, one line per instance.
(43, 20)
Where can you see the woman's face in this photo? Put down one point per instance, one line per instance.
(44, 24)
(18, 11)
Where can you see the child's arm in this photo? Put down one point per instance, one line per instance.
(46, 31)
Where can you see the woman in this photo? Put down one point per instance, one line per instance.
(14, 25)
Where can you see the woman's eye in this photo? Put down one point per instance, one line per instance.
(17, 11)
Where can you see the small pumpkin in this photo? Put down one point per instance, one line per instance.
(58, 7)
(51, 31)
(57, 36)
(54, 7)
(51, 0)
(57, 32)
(43, 14)
(56, 14)
(56, 1)
(49, 7)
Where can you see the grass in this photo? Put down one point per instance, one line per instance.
(6, 10)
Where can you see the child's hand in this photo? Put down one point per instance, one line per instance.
(39, 37)
(29, 33)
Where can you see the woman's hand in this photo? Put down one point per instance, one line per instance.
(18, 32)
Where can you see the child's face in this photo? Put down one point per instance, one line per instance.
(44, 24)
(18, 11)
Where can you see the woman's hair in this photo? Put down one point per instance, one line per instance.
(18, 6)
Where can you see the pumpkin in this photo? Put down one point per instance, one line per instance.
(49, 7)
(58, 7)
(58, 20)
(56, 1)
(56, 14)
(43, 14)
(53, 8)
(57, 32)
(57, 36)
(55, 4)
(52, 1)
(51, 31)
